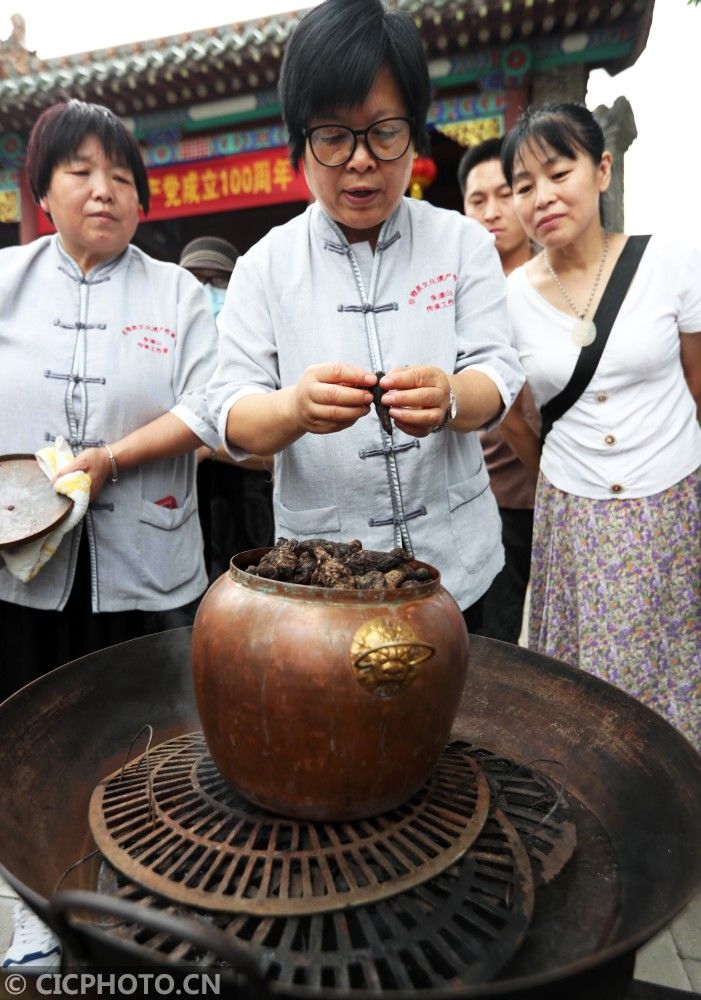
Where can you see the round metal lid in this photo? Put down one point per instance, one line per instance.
(29, 505)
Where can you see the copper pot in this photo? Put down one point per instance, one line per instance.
(326, 704)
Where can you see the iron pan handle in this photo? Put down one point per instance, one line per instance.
(201, 935)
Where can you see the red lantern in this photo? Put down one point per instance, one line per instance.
(423, 174)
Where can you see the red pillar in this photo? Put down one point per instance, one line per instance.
(516, 103)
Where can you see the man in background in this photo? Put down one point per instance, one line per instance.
(487, 199)
(211, 259)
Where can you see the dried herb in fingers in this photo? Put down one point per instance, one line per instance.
(382, 410)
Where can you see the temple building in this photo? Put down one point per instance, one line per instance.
(204, 107)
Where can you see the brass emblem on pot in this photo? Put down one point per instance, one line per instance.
(386, 656)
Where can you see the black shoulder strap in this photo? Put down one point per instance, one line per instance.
(589, 357)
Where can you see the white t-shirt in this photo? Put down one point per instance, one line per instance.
(634, 431)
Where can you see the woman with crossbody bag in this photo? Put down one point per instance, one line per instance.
(606, 327)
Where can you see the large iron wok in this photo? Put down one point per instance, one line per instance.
(634, 774)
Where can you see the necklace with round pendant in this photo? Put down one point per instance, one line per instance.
(583, 331)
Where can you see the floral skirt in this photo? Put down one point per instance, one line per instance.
(616, 591)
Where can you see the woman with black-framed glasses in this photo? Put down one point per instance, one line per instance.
(365, 281)
(334, 145)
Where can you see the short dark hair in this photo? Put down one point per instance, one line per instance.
(490, 149)
(567, 128)
(58, 133)
(335, 53)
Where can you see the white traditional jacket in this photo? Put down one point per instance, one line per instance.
(93, 358)
(431, 294)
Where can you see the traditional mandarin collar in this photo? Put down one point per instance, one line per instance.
(101, 272)
(333, 239)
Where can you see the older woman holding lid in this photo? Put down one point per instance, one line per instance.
(366, 281)
(616, 571)
(111, 350)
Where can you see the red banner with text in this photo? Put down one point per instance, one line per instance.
(247, 180)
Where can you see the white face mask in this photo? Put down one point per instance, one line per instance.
(216, 298)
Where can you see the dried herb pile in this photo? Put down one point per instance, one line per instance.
(340, 565)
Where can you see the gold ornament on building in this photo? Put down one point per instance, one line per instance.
(473, 132)
(9, 206)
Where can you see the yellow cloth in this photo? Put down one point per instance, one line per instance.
(26, 561)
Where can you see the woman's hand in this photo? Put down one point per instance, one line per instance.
(93, 461)
(165, 437)
(327, 398)
(418, 397)
(331, 397)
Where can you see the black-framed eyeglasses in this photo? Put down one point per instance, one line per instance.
(334, 145)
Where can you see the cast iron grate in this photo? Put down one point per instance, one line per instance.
(173, 825)
(460, 928)
(536, 806)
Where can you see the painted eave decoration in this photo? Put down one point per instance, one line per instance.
(237, 65)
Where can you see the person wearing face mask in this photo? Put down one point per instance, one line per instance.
(211, 259)
(235, 500)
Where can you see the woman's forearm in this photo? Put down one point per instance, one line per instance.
(479, 401)
(327, 398)
(265, 423)
(164, 437)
